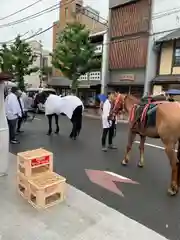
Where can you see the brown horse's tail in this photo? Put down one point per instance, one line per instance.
(178, 163)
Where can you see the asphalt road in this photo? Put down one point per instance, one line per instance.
(147, 202)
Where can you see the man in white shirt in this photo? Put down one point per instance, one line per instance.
(108, 124)
(13, 111)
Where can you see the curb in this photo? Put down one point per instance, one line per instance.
(98, 117)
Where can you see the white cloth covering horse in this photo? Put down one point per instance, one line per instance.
(71, 106)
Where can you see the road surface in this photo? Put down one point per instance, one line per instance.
(146, 202)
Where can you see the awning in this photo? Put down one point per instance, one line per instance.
(166, 79)
(170, 36)
(173, 92)
(59, 81)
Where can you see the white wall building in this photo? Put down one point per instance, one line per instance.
(165, 19)
(43, 59)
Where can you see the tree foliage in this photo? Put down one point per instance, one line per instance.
(23, 59)
(17, 59)
(6, 59)
(74, 54)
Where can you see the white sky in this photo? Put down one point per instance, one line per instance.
(9, 6)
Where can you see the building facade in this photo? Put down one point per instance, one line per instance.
(168, 70)
(163, 51)
(43, 60)
(72, 12)
(129, 23)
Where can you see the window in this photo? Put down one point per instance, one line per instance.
(177, 54)
(66, 12)
(45, 61)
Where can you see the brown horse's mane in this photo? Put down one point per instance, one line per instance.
(130, 101)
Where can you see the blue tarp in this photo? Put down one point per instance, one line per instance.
(102, 97)
(173, 92)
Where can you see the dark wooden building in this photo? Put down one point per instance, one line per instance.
(129, 34)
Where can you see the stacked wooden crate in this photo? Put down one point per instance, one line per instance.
(36, 181)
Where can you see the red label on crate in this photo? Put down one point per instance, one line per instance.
(40, 161)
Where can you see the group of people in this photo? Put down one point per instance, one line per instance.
(71, 106)
(15, 111)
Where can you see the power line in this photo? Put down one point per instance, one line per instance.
(32, 16)
(20, 10)
(10, 41)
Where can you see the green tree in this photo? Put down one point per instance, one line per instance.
(6, 59)
(23, 59)
(74, 54)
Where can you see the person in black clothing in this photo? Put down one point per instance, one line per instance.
(20, 118)
(171, 98)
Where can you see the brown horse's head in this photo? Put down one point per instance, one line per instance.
(124, 103)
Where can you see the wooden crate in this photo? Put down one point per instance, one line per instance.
(23, 186)
(35, 161)
(46, 190)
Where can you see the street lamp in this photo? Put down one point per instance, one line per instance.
(4, 131)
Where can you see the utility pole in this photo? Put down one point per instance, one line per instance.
(41, 65)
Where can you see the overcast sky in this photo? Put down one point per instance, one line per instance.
(10, 6)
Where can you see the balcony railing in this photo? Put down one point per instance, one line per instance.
(91, 76)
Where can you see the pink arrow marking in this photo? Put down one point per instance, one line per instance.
(107, 180)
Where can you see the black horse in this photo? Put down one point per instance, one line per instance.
(41, 98)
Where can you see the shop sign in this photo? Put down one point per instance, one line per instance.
(127, 77)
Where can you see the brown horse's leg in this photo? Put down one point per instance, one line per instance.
(169, 148)
(178, 163)
(131, 137)
(141, 149)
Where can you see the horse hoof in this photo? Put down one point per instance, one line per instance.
(140, 165)
(172, 192)
(124, 162)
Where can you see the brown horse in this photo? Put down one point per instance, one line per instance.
(167, 128)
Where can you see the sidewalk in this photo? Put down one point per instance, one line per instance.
(91, 114)
(79, 218)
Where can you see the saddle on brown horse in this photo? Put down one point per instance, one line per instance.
(144, 114)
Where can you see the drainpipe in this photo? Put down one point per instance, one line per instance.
(151, 60)
(104, 65)
(4, 134)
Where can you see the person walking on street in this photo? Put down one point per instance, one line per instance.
(13, 111)
(108, 123)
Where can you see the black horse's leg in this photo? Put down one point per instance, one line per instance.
(57, 123)
(49, 124)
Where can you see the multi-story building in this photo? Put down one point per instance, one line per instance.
(71, 11)
(129, 23)
(43, 59)
(163, 62)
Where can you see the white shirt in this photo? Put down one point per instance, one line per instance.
(105, 114)
(69, 104)
(12, 107)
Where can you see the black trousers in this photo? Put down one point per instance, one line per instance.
(12, 129)
(110, 132)
(19, 123)
(76, 122)
(50, 122)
